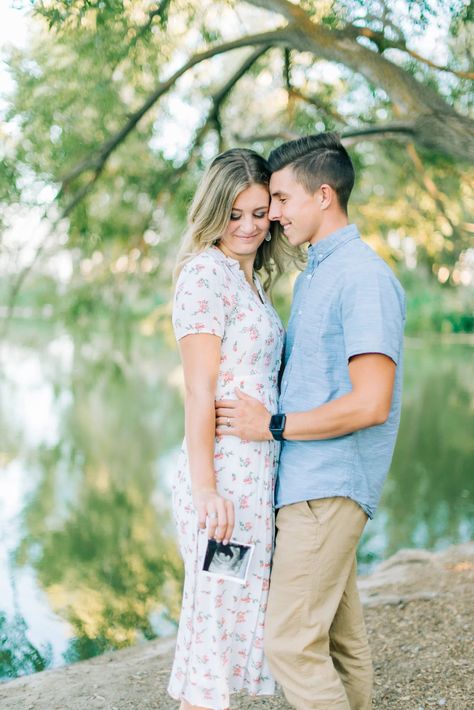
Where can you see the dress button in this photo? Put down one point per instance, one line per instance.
(320, 256)
(309, 277)
(300, 312)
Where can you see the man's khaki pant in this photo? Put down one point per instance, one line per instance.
(315, 637)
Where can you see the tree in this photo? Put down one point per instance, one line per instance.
(98, 91)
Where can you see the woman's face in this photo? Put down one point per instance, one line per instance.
(248, 224)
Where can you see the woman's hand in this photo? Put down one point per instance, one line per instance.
(218, 511)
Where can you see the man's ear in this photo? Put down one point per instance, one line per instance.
(326, 196)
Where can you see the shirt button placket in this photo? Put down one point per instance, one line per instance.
(303, 299)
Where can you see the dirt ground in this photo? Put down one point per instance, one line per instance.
(419, 610)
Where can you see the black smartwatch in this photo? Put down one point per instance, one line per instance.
(277, 426)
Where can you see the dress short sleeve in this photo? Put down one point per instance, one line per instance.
(198, 301)
(373, 312)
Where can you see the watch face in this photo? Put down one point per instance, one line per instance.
(277, 422)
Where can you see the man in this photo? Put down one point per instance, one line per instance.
(338, 419)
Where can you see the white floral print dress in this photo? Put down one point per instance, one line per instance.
(220, 638)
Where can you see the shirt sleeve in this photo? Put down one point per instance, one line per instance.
(373, 312)
(198, 301)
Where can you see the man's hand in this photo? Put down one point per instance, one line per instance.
(245, 417)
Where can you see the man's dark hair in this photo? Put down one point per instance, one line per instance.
(316, 160)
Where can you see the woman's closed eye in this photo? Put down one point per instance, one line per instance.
(257, 215)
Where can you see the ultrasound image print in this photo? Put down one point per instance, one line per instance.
(228, 561)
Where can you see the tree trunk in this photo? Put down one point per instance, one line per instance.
(436, 125)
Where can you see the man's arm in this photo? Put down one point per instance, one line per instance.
(372, 377)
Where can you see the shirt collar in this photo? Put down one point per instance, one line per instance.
(319, 251)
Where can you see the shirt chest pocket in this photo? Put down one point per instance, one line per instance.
(308, 338)
(322, 343)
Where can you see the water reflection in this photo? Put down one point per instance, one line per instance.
(96, 528)
(18, 656)
(428, 498)
(90, 428)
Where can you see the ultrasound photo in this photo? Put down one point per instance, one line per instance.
(228, 561)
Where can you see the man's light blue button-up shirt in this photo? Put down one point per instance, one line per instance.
(346, 302)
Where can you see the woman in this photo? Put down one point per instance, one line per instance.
(229, 336)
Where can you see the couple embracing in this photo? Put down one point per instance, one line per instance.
(315, 410)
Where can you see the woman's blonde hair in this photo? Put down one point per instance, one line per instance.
(229, 174)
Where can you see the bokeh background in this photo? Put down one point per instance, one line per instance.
(110, 109)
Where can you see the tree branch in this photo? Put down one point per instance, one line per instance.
(438, 125)
(216, 103)
(348, 137)
(223, 93)
(212, 120)
(160, 11)
(22, 276)
(295, 14)
(287, 69)
(437, 197)
(314, 101)
(342, 46)
(291, 12)
(382, 130)
(265, 137)
(384, 43)
(97, 159)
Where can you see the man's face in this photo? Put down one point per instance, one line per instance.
(298, 212)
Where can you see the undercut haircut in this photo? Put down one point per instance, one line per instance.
(316, 160)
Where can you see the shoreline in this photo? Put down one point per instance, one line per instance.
(419, 610)
(27, 315)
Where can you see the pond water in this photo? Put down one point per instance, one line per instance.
(90, 428)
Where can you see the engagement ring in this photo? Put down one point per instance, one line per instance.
(228, 421)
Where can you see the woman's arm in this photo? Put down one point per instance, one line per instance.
(200, 355)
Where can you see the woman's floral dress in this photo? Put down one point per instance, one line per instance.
(220, 638)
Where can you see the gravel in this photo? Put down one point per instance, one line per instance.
(419, 610)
